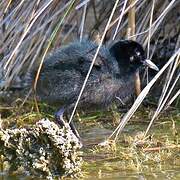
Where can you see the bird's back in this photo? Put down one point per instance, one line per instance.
(65, 69)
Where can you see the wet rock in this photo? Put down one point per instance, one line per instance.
(44, 150)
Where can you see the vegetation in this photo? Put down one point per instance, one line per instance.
(31, 29)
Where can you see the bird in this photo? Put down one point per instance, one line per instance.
(112, 76)
(65, 69)
(111, 79)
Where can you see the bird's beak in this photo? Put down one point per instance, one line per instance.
(150, 64)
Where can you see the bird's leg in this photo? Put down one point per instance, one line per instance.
(59, 117)
(74, 130)
(73, 127)
(61, 122)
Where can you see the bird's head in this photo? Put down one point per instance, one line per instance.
(130, 56)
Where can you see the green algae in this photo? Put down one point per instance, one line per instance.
(131, 157)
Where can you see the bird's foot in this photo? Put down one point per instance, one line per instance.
(61, 122)
(74, 130)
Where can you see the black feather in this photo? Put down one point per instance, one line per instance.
(65, 69)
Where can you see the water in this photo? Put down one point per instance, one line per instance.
(126, 161)
(131, 163)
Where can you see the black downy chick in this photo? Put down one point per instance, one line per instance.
(112, 76)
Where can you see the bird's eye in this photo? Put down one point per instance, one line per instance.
(132, 58)
(138, 53)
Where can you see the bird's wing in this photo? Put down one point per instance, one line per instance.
(78, 56)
